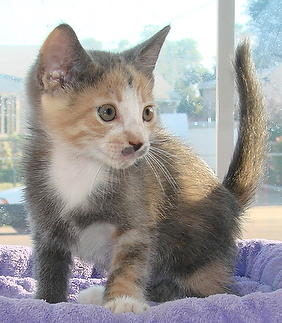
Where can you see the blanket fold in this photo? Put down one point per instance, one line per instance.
(258, 287)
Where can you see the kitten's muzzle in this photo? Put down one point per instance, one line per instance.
(130, 150)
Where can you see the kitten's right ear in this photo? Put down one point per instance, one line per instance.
(60, 59)
(144, 56)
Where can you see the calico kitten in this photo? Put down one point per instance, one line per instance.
(104, 181)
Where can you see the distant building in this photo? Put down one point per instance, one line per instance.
(207, 91)
(271, 84)
(14, 65)
(166, 98)
(11, 89)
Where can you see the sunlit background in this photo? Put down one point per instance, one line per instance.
(185, 81)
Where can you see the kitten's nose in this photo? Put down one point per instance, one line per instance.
(132, 148)
(136, 146)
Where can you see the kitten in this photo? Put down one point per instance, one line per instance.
(104, 181)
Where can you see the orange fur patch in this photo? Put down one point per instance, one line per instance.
(125, 285)
(208, 280)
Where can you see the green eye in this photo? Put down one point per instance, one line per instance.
(107, 112)
(148, 113)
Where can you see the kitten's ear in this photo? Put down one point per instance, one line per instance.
(60, 59)
(144, 56)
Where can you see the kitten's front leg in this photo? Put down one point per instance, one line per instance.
(129, 273)
(52, 266)
(128, 276)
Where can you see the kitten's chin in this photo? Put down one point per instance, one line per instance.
(125, 161)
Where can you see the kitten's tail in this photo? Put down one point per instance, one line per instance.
(248, 161)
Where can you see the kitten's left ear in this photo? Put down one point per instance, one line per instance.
(144, 56)
(61, 59)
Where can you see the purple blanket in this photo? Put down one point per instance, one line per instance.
(258, 282)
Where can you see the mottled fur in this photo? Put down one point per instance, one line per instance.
(124, 194)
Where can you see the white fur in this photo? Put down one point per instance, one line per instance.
(74, 176)
(91, 295)
(94, 295)
(127, 304)
(95, 245)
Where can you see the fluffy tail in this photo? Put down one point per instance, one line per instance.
(247, 164)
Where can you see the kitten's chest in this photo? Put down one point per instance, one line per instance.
(75, 177)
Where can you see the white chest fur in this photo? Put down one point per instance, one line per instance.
(95, 244)
(74, 177)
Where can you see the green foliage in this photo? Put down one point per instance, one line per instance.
(266, 17)
(6, 163)
(180, 64)
(265, 24)
(9, 157)
(91, 43)
(178, 57)
(149, 31)
(275, 131)
(275, 163)
(124, 44)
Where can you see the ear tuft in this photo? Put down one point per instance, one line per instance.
(60, 57)
(144, 56)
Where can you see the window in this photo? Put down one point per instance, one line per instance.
(185, 79)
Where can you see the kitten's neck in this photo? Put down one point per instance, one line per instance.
(75, 176)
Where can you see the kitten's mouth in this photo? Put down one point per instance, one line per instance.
(131, 149)
(131, 154)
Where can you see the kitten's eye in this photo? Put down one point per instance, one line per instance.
(148, 113)
(107, 112)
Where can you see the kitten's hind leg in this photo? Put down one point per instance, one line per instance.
(213, 278)
(163, 291)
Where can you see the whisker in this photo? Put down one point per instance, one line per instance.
(164, 170)
(164, 152)
(96, 176)
(152, 166)
(165, 159)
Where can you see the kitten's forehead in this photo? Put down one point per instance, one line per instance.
(123, 81)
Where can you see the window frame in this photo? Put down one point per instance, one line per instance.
(224, 86)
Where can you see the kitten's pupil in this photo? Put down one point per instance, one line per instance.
(107, 112)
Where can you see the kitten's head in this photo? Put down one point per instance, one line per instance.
(99, 104)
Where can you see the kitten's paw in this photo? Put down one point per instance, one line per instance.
(126, 304)
(91, 295)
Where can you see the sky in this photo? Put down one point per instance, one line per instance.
(28, 22)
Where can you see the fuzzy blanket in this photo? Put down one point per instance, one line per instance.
(258, 284)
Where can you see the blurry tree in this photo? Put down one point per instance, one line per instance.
(180, 63)
(91, 43)
(191, 99)
(124, 44)
(266, 24)
(6, 162)
(149, 31)
(178, 57)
